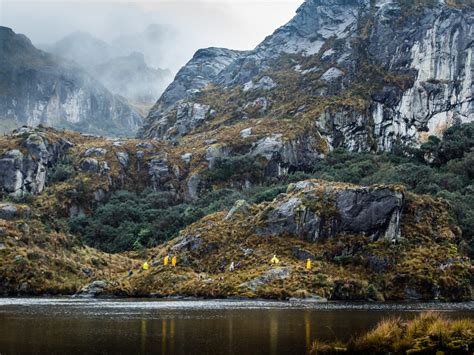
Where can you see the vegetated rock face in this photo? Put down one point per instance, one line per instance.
(38, 88)
(317, 211)
(202, 70)
(363, 74)
(24, 171)
(375, 242)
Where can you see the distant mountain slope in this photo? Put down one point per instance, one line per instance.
(121, 67)
(84, 49)
(131, 77)
(359, 74)
(38, 88)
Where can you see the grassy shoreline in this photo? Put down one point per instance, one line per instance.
(428, 333)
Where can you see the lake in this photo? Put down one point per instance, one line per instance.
(144, 326)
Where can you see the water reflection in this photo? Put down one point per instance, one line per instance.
(141, 327)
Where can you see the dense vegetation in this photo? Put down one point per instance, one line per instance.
(135, 221)
(440, 167)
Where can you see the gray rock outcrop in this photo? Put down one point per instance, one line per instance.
(26, 172)
(316, 212)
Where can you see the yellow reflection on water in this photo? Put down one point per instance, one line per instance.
(273, 333)
(143, 326)
(163, 336)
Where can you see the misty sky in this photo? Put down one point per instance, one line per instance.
(237, 24)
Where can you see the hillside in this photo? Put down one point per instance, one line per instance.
(38, 88)
(345, 138)
(377, 242)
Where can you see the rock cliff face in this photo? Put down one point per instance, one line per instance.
(37, 88)
(317, 211)
(24, 171)
(202, 70)
(364, 75)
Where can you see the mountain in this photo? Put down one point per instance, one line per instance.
(156, 42)
(362, 75)
(84, 49)
(38, 88)
(120, 67)
(130, 76)
(303, 148)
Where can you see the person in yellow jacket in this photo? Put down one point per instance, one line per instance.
(274, 260)
(308, 264)
(166, 260)
(145, 266)
(173, 261)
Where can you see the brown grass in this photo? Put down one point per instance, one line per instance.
(429, 333)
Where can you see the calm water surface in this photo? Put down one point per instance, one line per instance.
(77, 326)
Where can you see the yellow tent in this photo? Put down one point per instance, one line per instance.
(145, 266)
(166, 260)
(173, 261)
(308, 264)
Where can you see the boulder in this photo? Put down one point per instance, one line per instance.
(245, 133)
(93, 289)
(158, 172)
(264, 83)
(144, 145)
(97, 152)
(187, 243)
(193, 186)
(278, 273)
(313, 211)
(214, 152)
(9, 211)
(240, 207)
(186, 157)
(90, 165)
(123, 159)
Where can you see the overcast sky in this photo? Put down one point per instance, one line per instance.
(237, 24)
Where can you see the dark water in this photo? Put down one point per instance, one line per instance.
(72, 326)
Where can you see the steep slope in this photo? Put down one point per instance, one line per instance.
(37, 88)
(363, 75)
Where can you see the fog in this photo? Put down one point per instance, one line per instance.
(187, 25)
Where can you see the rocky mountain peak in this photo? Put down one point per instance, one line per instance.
(362, 75)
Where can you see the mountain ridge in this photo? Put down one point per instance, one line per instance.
(38, 88)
